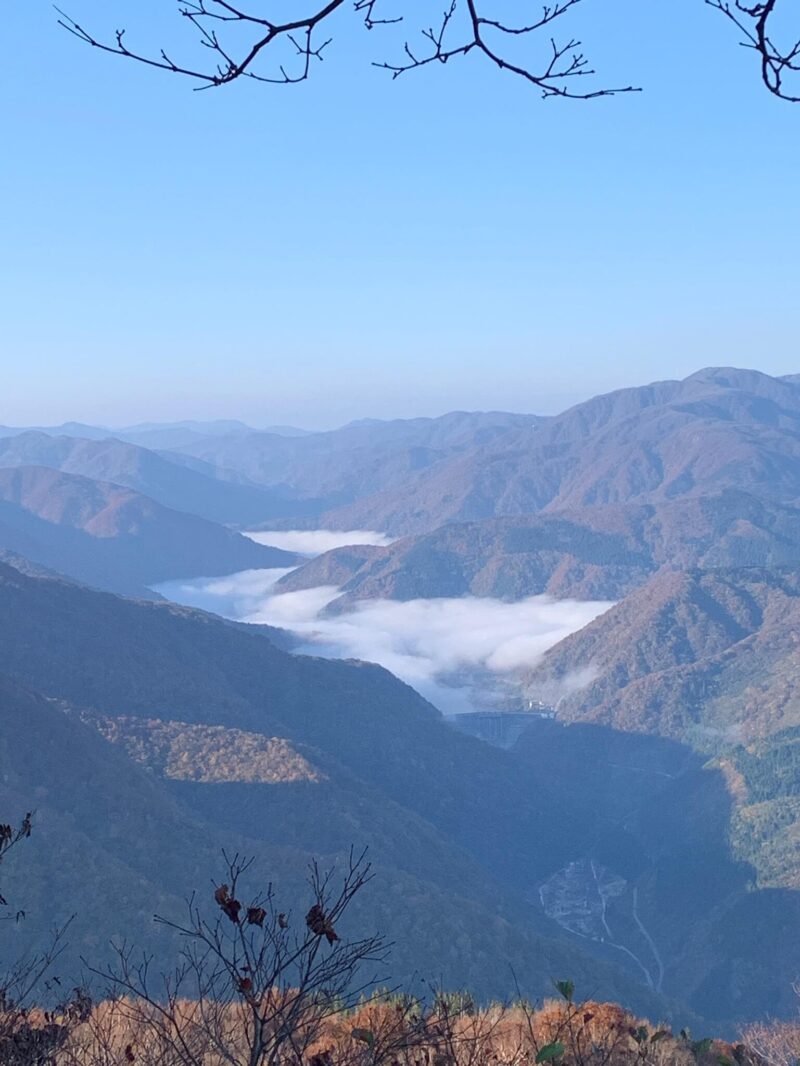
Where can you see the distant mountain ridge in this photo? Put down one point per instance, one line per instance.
(267, 476)
(175, 435)
(66, 429)
(716, 429)
(364, 457)
(193, 490)
(601, 552)
(114, 538)
(189, 427)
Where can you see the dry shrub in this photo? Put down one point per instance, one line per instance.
(401, 1032)
(130, 1030)
(775, 1043)
(31, 1036)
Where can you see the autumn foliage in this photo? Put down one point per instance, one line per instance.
(401, 1032)
(259, 986)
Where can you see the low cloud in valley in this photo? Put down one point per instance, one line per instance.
(317, 541)
(446, 648)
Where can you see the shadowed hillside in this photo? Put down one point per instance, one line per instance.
(290, 756)
(354, 757)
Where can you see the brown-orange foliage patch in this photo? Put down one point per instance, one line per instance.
(404, 1033)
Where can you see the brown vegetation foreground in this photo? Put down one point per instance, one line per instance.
(395, 1032)
(258, 986)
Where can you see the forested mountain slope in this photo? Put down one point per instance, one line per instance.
(115, 825)
(114, 538)
(664, 884)
(708, 656)
(599, 552)
(289, 756)
(718, 428)
(186, 666)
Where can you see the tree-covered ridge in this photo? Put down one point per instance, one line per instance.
(716, 429)
(599, 552)
(765, 780)
(388, 774)
(707, 656)
(207, 754)
(771, 766)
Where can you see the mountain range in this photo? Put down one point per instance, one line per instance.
(717, 429)
(350, 463)
(600, 553)
(114, 538)
(656, 789)
(203, 734)
(265, 474)
(190, 487)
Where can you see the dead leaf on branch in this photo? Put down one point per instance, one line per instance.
(320, 925)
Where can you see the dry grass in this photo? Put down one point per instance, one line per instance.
(401, 1033)
(776, 1043)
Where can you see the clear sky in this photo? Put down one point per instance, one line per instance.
(358, 247)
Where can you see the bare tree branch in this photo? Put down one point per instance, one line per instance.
(778, 62)
(10, 836)
(253, 984)
(563, 63)
(463, 28)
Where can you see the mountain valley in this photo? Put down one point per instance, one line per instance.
(623, 577)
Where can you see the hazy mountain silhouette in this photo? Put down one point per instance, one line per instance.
(113, 537)
(718, 428)
(349, 463)
(193, 489)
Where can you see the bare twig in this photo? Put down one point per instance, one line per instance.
(553, 77)
(778, 62)
(253, 984)
(463, 28)
(10, 836)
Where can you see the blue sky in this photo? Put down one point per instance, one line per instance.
(355, 246)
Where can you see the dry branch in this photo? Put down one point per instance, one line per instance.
(758, 25)
(464, 27)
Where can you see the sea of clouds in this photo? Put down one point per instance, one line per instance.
(446, 648)
(317, 541)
